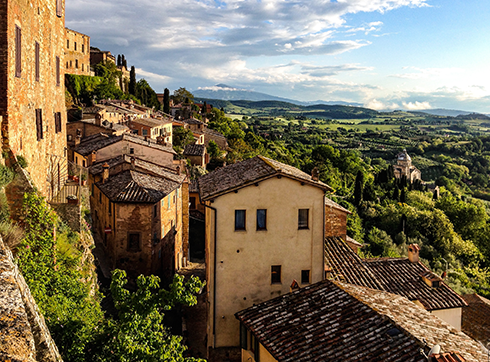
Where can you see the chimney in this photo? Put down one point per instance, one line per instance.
(315, 174)
(92, 158)
(178, 170)
(133, 163)
(105, 172)
(413, 253)
(78, 139)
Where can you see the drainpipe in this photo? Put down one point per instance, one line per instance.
(214, 272)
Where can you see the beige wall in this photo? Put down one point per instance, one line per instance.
(244, 258)
(452, 316)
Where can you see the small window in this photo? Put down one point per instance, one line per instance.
(134, 242)
(275, 274)
(82, 67)
(261, 219)
(68, 43)
(57, 122)
(59, 8)
(305, 277)
(240, 216)
(58, 71)
(76, 63)
(83, 48)
(75, 45)
(39, 124)
(36, 57)
(303, 218)
(192, 203)
(18, 51)
(155, 211)
(145, 132)
(131, 151)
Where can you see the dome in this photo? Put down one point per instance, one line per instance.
(403, 156)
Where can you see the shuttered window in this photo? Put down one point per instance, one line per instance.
(39, 123)
(59, 8)
(57, 71)
(57, 122)
(18, 49)
(37, 50)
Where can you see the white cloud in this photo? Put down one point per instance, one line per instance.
(414, 106)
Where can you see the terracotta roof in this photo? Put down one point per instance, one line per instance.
(476, 320)
(245, 173)
(136, 187)
(213, 132)
(448, 357)
(346, 265)
(140, 165)
(151, 122)
(333, 204)
(99, 141)
(401, 276)
(192, 121)
(394, 275)
(194, 150)
(333, 321)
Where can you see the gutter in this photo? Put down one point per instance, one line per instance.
(214, 271)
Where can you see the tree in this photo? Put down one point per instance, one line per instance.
(139, 333)
(119, 60)
(359, 186)
(181, 137)
(180, 95)
(166, 101)
(204, 108)
(132, 81)
(123, 61)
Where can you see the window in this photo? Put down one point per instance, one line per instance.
(168, 202)
(133, 242)
(36, 57)
(240, 216)
(75, 45)
(83, 48)
(58, 72)
(76, 63)
(275, 274)
(82, 67)
(305, 277)
(18, 49)
(131, 151)
(59, 8)
(303, 218)
(68, 43)
(145, 132)
(261, 219)
(155, 211)
(110, 208)
(192, 203)
(39, 123)
(57, 122)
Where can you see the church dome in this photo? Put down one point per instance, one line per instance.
(403, 156)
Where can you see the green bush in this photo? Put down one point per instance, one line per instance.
(21, 161)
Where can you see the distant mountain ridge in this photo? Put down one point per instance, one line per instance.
(229, 93)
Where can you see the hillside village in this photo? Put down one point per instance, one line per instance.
(150, 194)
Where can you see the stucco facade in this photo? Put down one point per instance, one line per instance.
(32, 92)
(77, 53)
(452, 316)
(240, 262)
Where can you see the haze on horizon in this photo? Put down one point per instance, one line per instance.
(385, 54)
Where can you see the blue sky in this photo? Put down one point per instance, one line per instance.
(384, 54)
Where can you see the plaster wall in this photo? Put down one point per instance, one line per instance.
(244, 258)
(452, 316)
(154, 155)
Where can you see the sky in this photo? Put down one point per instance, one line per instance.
(383, 54)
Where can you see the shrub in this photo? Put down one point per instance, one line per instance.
(22, 161)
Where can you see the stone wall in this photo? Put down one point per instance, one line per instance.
(24, 335)
(15, 192)
(70, 214)
(335, 222)
(77, 53)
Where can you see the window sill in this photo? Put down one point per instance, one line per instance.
(240, 230)
(305, 228)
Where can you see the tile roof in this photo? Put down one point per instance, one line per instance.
(245, 173)
(448, 357)
(151, 122)
(213, 132)
(140, 165)
(394, 275)
(194, 150)
(401, 276)
(100, 140)
(333, 204)
(346, 265)
(476, 320)
(192, 121)
(193, 186)
(136, 187)
(333, 321)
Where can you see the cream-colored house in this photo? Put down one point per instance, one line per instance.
(264, 230)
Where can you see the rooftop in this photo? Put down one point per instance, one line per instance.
(333, 321)
(136, 187)
(245, 173)
(333, 204)
(194, 150)
(151, 122)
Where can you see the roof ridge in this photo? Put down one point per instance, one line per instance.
(268, 162)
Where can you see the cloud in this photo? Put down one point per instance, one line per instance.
(414, 106)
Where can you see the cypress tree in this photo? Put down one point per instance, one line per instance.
(132, 81)
(166, 101)
(403, 195)
(358, 188)
(396, 193)
(119, 60)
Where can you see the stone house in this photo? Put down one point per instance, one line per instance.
(196, 154)
(334, 321)
(405, 168)
(78, 130)
(101, 147)
(32, 91)
(153, 128)
(140, 210)
(77, 53)
(407, 277)
(264, 229)
(98, 56)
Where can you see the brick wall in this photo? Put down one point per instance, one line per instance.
(21, 96)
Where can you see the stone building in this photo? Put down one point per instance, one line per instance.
(32, 92)
(404, 167)
(154, 128)
(98, 56)
(264, 229)
(77, 53)
(141, 212)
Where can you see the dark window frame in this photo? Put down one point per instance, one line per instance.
(303, 219)
(276, 271)
(39, 124)
(57, 122)
(18, 51)
(261, 220)
(37, 50)
(239, 225)
(58, 72)
(305, 277)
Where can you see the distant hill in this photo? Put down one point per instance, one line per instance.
(229, 93)
(443, 112)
